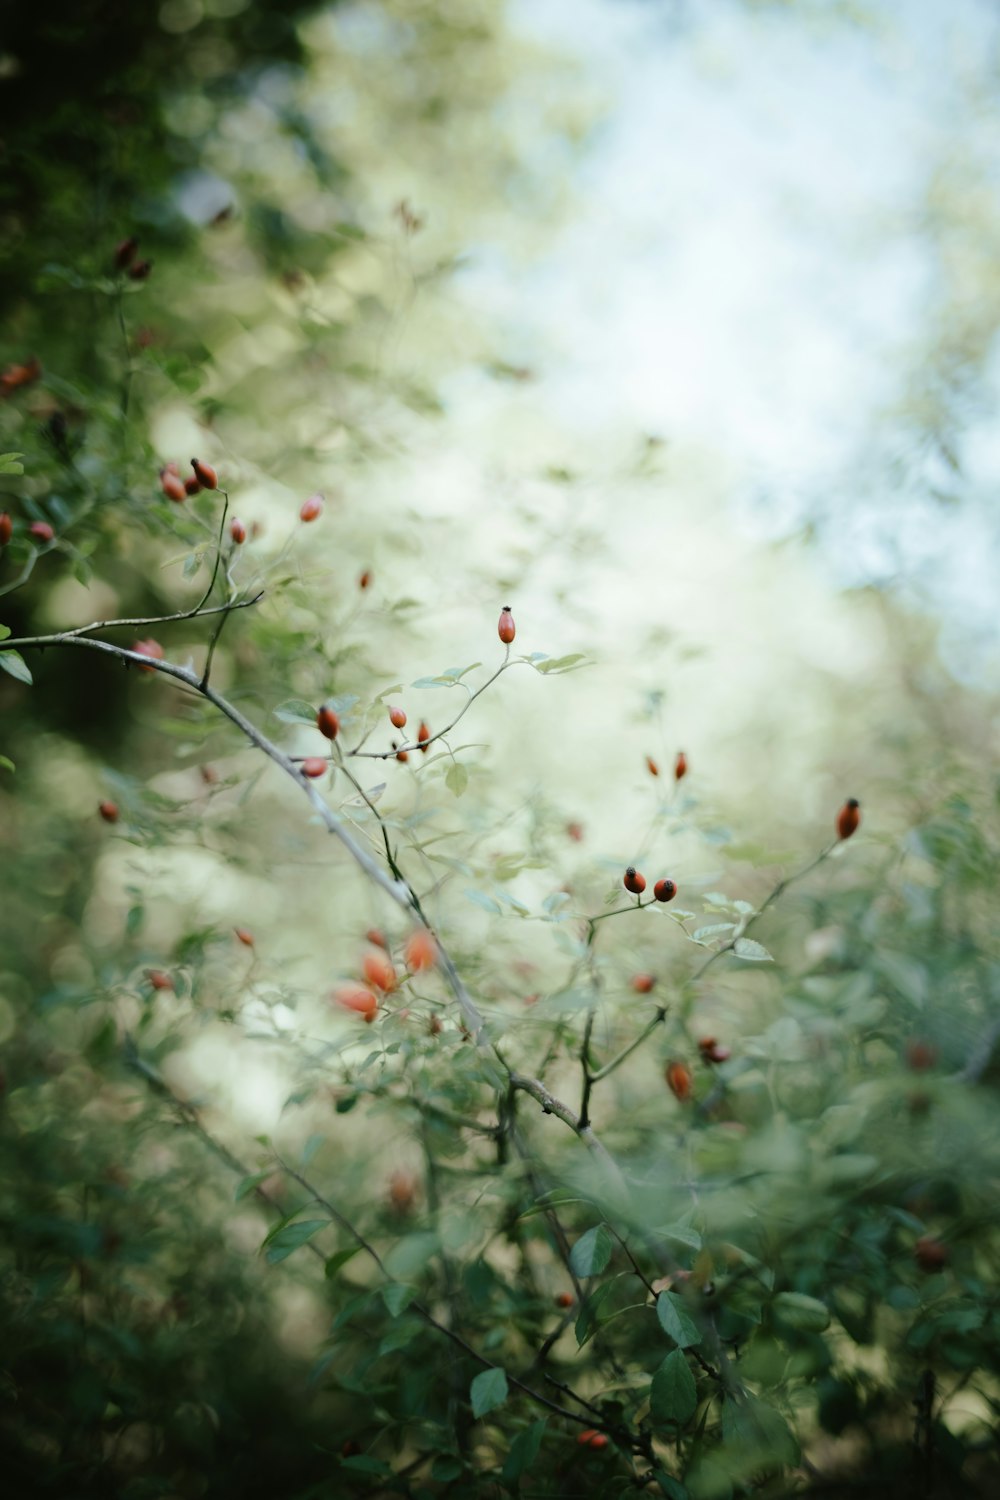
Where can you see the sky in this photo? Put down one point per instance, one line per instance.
(747, 271)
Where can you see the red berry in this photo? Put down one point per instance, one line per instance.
(245, 937)
(315, 765)
(140, 269)
(651, 766)
(930, 1254)
(311, 508)
(711, 1052)
(379, 971)
(505, 629)
(357, 997)
(633, 881)
(591, 1438)
(421, 950)
(920, 1055)
(397, 718)
(327, 723)
(642, 983)
(565, 1299)
(680, 766)
(401, 754)
(172, 486)
(125, 252)
(664, 890)
(42, 530)
(402, 1190)
(423, 735)
(158, 980)
(205, 475)
(365, 580)
(149, 648)
(237, 531)
(848, 818)
(108, 811)
(375, 936)
(679, 1081)
(6, 528)
(574, 831)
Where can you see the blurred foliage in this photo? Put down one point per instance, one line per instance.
(788, 1282)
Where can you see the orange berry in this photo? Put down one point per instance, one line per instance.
(108, 811)
(374, 935)
(574, 831)
(664, 890)
(565, 1299)
(327, 723)
(379, 971)
(930, 1254)
(591, 1438)
(6, 528)
(423, 735)
(679, 1081)
(402, 1190)
(245, 937)
(172, 486)
(205, 475)
(651, 766)
(209, 774)
(125, 252)
(633, 881)
(505, 628)
(680, 766)
(315, 765)
(311, 508)
(237, 531)
(421, 950)
(401, 754)
(397, 718)
(42, 530)
(848, 818)
(191, 486)
(365, 580)
(642, 983)
(158, 980)
(357, 997)
(149, 648)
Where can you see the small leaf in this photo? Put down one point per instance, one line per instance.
(287, 1238)
(338, 1259)
(676, 1321)
(5, 763)
(4, 632)
(480, 898)
(295, 711)
(522, 1454)
(457, 778)
(246, 1185)
(9, 463)
(13, 663)
(673, 1395)
(488, 1391)
(753, 952)
(397, 1297)
(592, 1251)
(715, 930)
(800, 1311)
(559, 663)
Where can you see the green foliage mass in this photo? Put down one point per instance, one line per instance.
(572, 1246)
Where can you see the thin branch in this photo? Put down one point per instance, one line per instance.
(440, 734)
(619, 1057)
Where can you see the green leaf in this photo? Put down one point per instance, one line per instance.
(247, 1184)
(9, 463)
(397, 1297)
(287, 1238)
(480, 898)
(488, 1391)
(676, 1321)
(716, 929)
(800, 1311)
(592, 1251)
(6, 764)
(295, 711)
(751, 951)
(559, 663)
(457, 778)
(522, 1454)
(13, 663)
(4, 632)
(338, 1259)
(673, 1395)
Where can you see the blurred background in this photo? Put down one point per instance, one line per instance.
(672, 326)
